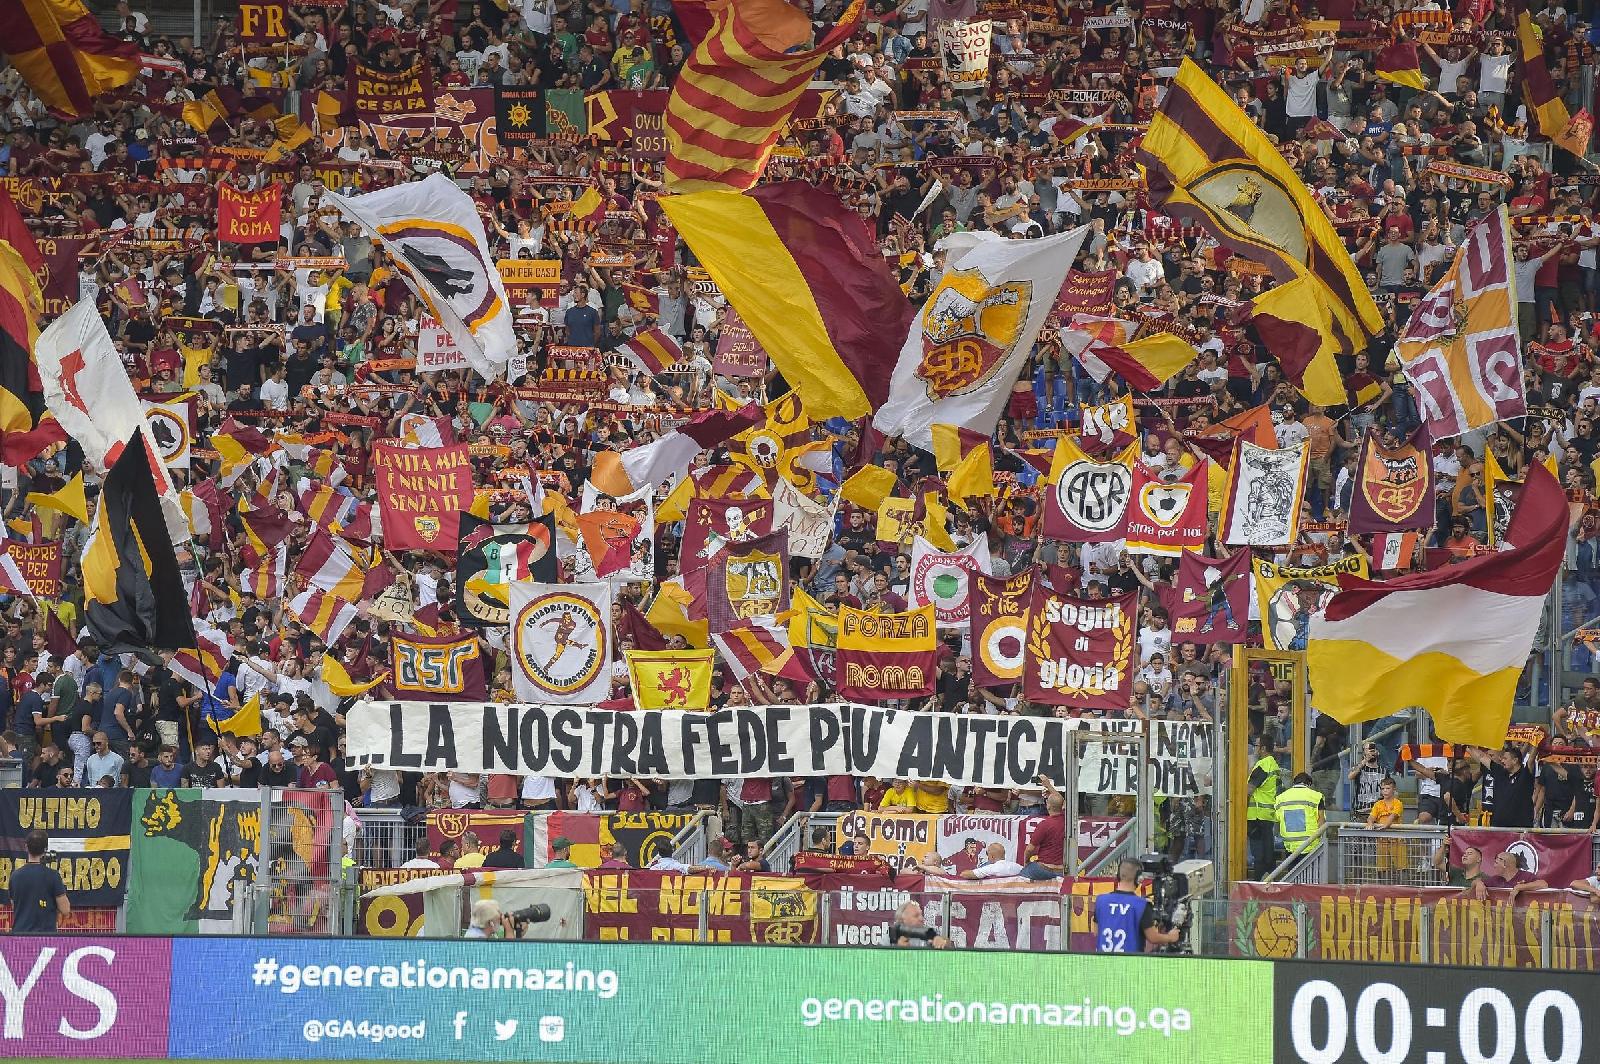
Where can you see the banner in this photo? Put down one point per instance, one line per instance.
(436, 349)
(941, 580)
(1210, 600)
(423, 667)
(1262, 502)
(1087, 500)
(964, 839)
(712, 524)
(561, 642)
(1288, 596)
(905, 840)
(88, 832)
(169, 427)
(965, 49)
(390, 916)
(485, 825)
(1391, 925)
(1557, 859)
(491, 558)
(1168, 517)
(374, 96)
(885, 656)
(670, 679)
(999, 628)
(422, 493)
(1080, 651)
(1083, 293)
(1180, 762)
(519, 115)
(640, 905)
(630, 117)
(1394, 491)
(637, 838)
(263, 22)
(760, 741)
(38, 565)
(192, 853)
(1013, 919)
(60, 281)
(249, 217)
(808, 522)
(739, 353)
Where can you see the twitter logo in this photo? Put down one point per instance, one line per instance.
(552, 1029)
(505, 1030)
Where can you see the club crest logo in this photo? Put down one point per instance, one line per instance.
(1165, 503)
(448, 265)
(1094, 496)
(969, 330)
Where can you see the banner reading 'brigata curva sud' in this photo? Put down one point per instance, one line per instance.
(260, 999)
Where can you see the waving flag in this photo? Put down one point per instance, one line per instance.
(1453, 640)
(64, 54)
(652, 350)
(965, 349)
(325, 614)
(1549, 109)
(1209, 165)
(738, 88)
(26, 428)
(943, 579)
(433, 235)
(670, 679)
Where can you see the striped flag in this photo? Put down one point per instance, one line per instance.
(1104, 346)
(738, 89)
(1538, 89)
(264, 530)
(330, 565)
(1398, 64)
(653, 350)
(1453, 640)
(266, 574)
(761, 646)
(419, 431)
(204, 665)
(326, 615)
(64, 54)
(1394, 550)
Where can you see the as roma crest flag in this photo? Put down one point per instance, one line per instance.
(1210, 602)
(671, 679)
(748, 580)
(1080, 651)
(249, 217)
(1394, 488)
(1167, 517)
(492, 557)
(885, 656)
(1000, 627)
(422, 493)
(435, 670)
(1086, 500)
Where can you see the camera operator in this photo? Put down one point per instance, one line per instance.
(488, 922)
(910, 929)
(38, 896)
(1124, 921)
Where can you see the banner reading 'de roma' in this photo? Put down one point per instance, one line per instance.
(828, 740)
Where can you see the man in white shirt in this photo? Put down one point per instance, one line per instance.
(994, 866)
(1144, 269)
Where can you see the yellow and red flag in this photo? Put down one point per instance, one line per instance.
(737, 90)
(64, 54)
(671, 679)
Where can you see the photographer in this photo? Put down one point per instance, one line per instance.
(38, 896)
(910, 929)
(1125, 922)
(488, 921)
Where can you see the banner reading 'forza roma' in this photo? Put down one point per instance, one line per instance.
(762, 741)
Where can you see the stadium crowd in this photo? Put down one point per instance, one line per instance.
(268, 337)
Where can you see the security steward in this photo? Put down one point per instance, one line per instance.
(1262, 811)
(1300, 816)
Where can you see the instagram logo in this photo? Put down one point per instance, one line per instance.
(552, 1028)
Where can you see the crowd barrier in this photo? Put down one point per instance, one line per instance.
(253, 999)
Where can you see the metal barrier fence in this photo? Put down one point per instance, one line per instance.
(1399, 856)
(387, 838)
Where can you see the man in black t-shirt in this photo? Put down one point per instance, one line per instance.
(38, 896)
(1513, 788)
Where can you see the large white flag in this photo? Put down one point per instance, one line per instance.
(431, 229)
(561, 642)
(1265, 486)
(972, 338)
(86, 387)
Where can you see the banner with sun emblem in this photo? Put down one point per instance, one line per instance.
(1000, 627)
(561, 642)
(422, 493)
(519, 115)
(965, 349)
(1394, 489)
(1461, 351)
(434, 237)
(1079, 651)
(940, 580)
(748, 580)
(1167, 517)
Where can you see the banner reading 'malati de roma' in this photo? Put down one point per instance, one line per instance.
(829, 740)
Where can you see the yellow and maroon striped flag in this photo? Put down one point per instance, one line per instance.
(653, 349)
(64, 54)
(1549, 109)
(738, 89)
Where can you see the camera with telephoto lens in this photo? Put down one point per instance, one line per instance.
(1171, 887)
(897, 931)
(533, 914)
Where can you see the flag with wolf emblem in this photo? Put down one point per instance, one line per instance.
(433, 235)
(964, 350)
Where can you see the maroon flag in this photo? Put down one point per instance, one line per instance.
(999, 627)
(1080, 651)
(748, 580)
(886, 656)
(712, 524)
(435, 669)
(422, 493)
(1394, 488)
(1211, 600)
